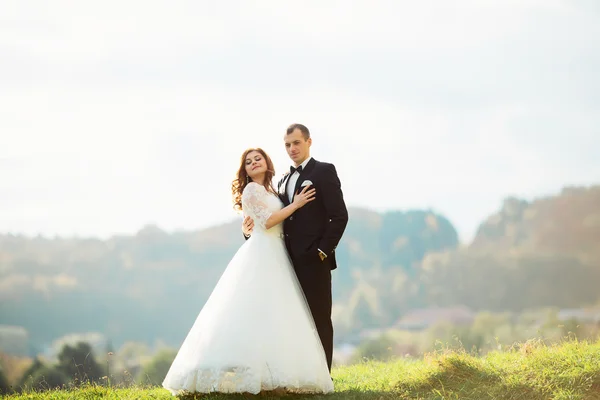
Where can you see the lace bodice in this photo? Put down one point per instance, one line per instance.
(259, 205)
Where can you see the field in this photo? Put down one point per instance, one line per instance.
(532, 371)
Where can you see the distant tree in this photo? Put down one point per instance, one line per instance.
(29, 372)
(45, 378)
(406, 237)
(381, 348)
(363, 315)
(155, 371)
(4, 386)
(78, 363)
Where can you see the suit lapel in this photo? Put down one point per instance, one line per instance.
(284, 183)
(305, 171)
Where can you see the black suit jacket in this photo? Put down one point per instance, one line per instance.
(320, 224)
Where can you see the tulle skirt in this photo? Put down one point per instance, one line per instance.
(255, 331)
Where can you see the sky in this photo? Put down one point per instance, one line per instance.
(115, 115)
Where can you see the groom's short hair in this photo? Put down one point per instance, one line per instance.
(301, 128)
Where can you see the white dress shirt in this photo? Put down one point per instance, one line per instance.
(291, 184)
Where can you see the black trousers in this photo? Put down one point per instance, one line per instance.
(315, 278)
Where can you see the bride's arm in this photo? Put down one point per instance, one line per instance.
(254, 197)
(279, 216)
(300, 200)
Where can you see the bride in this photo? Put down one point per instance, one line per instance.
(255, 333)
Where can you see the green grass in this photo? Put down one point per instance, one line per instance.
(530, 371)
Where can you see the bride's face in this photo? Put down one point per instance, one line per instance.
(255, 164)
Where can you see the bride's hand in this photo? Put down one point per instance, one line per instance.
(247, 226)
(305, 196)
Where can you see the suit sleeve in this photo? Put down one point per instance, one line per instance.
(335, 208)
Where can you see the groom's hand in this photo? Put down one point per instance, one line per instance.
(247, 226)
(322, 255)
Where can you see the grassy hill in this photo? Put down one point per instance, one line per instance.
(532, 371)
(127, 287)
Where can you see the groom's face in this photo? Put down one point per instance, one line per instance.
(297, 147)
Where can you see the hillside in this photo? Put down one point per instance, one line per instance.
(152, 285)
(565, 224)
(529, 254)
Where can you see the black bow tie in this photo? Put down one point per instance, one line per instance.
(292, 169)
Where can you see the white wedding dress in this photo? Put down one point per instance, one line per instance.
(255, 331)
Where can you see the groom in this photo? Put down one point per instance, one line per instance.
(313, 231)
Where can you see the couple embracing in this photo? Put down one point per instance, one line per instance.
(267, 324)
